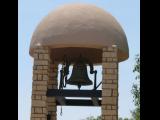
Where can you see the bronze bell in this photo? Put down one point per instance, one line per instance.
(79, 75)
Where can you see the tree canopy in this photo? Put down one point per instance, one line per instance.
(136, 90)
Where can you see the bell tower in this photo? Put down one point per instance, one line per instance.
(81, 41)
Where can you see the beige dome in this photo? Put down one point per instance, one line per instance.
(80, 26)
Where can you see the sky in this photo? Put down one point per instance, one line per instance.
(30, 13)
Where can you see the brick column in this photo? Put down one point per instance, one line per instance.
(110, 84)
(52, 84)
(39, 86)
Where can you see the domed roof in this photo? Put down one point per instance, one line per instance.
(80, 25)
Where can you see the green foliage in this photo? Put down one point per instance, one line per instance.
(136, 114)
(120, 118)
(99, 118)
(136, 90)
(124, 118)
(93, 118)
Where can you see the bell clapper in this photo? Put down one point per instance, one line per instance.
(79, 86)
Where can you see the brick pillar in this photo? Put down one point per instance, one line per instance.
(39, 86)
(110, 84)
(52, 84)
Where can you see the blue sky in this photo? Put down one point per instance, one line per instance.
(30, 13)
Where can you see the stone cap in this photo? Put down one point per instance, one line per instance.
(82, 26)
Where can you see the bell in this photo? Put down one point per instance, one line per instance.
(79, 75)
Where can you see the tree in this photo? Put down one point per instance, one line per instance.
(124, 118)
(93, 118)
(120, 118)
(136, 90)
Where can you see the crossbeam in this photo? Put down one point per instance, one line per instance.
(74, 93)
(79, 102)
(61, 100)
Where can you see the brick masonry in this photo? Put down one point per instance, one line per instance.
(52, 84)
(41, 76)
(45, 73)
(109, 84)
